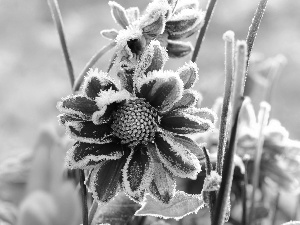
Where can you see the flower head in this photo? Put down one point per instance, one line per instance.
(133, 137)
(165, 21)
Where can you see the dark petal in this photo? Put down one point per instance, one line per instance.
(105, 114)
(82, 155)
(176, 157)
(188, 74)
(156, 26)
(94, 84)
(126, 80)
(162, 92)
(104, 180)
(138, 171)
(178, 49)
(110, 34)
(163, 184)
(119, 14)
(203, 113)
(183, 123)
(189, 99)
(78, 105)
(179, 23)
(88, 132)
(64, 118)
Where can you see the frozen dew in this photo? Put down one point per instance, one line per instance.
(212, 182)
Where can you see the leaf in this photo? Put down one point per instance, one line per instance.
(117, 212)
(182, 204)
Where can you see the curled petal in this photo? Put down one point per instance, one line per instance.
(96, 82)
(188, 74)
(126, 80)
(188, 99)
(104, 180)
(82, 155)
(64, 118)
(137, 172)
(78, 105)
(119, 14)
(203, 113)
(184, 123)
(178, 49)
(88, 132)
(161, 89)
(176, 157)
(109, 34)
(105, 114)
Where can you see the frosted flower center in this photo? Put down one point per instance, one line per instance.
(135, 122)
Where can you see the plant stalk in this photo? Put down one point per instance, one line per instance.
(92, 212)
(56, 15)
(84, 199)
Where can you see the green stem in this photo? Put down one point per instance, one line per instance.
(92, 212)
(244, 197)
(91, 63)
(56, 15)
(229, 68)
(263, 118)
(84, 199)
(227, 172)
(253, 29)
(209, 11)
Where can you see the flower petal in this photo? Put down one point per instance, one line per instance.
(88, 132)
(177, 49)
(189, 99)
(64, 118)
(176, 157)
(119, 14)
(161, 89)
(163, 184)
(188, 74)
(105, 114)
(104, 179)
(126, 80)
(109, 34)
(203, 113)
(82, 155)
(137, 172)
(186, 4)
(133, 13)
(78, 105)
(184, 123)
(96, 82)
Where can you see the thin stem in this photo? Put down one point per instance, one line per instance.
(297, 207)
(91, 63)
(92, 212)
(207, 161)
(84, 199)
(209, 11)
(253, 29)
(56, 15)
(229, 68)
(227, 173)
(275, 208)
(263, 117)
(244, 198)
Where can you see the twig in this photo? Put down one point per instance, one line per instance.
(92, 212)
(229, 68)
(209, 11)
(258, 15)
(90, 64)
(84, 199)
(227, 173)
(56, 15)
(263, 117)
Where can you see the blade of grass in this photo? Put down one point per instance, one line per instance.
(227, 173)
(91, 63)
(209, 11)
(56, 15)
(229, 69)
(263, 118)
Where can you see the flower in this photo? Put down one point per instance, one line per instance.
(133, 139)
(166, 21)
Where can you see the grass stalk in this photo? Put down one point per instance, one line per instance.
(56, 15)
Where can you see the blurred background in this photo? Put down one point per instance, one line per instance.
(33, 75)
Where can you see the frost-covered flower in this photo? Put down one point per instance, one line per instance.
(166, 21)
(133, 140)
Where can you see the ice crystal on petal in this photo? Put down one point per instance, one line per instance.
(212, 182)
(188, 74)
(119, 14)
(107, 97)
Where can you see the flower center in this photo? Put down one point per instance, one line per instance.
(135, 122)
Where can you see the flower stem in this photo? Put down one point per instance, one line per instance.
(229, 66)
(263, 118)
(56, 15)
(253, 29)
(209, 11)
(244, 194)
(227, 173)
(84, 199)
(275, 206)
(92, 62)
(92, 212)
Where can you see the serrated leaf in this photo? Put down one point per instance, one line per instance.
(182, 204)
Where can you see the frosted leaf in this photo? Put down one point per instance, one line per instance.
(178, 49)
(183, 20)
(212, 182)
(181, 205)
(204, 113)
(119, 14)
(154, 24)
(188, 74)
(176, 157)
(189, 99)
(109, 34)
(108, 97)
